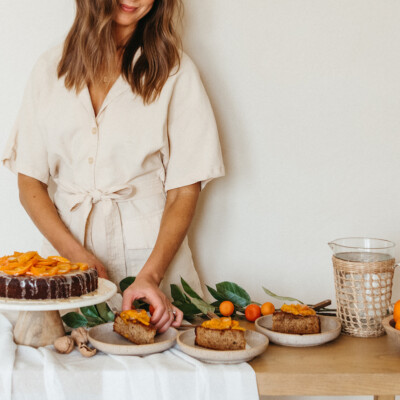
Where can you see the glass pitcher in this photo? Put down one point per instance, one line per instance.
(363, 270)
(362, 249)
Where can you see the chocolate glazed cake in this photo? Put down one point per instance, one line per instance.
(52, 287)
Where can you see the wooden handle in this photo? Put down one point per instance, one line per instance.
(321, 304)
(212, 315)
(187, 326)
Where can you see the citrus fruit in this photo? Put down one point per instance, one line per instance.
(151, 309)
(252, 312)
(396, 311)
(226, 308)
(267, 308)
(397, 326)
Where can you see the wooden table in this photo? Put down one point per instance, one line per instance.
(347, 366)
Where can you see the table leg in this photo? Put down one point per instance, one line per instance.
(38, 328)
(386, 397)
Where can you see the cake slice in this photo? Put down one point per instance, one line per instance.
(220, 334)
(296, 319)
(135, 326)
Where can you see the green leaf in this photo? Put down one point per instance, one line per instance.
(140, 305)
(110, 316)
(74, 320)
(189, 290)
(187, 308)
(234, 293)
(91, 324)
(105, 312)
(91, 312)
(177, 294)
(215, 294)
(126, 282)
(281, 297)
(203, 306)
(95, 321)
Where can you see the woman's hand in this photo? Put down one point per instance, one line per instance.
(178, 213)
(146, 289)
(36, 201)
(91, 260)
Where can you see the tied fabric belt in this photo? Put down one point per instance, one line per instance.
(80, 204)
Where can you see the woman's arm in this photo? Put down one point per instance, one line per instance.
(178, 213)
(37, 203)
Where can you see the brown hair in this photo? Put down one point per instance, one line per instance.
(90, 48)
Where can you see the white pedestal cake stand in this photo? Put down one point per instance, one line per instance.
(39, 322)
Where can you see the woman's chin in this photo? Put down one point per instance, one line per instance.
(124, 22)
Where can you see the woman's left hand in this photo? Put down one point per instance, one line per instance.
(146, 289)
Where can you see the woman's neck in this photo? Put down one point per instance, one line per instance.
(122, 34)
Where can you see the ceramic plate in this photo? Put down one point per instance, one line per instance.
(106, 340)
(256, 343)
(330, 330)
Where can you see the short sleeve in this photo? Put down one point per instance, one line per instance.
(25, 151)
(194, 147)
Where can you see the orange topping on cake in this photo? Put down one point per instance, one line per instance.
(297, 309)
(31, 263)
(135, 316)
(222, 324)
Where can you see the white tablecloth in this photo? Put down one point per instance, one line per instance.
(27, 373)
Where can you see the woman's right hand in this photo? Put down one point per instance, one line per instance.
(92, 261)
(36, 201)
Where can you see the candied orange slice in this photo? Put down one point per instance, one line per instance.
(59, 258)
(17, 253)
(23, 258)
(3, 259)
(33, 261)
(44, 271)
(45, 263)
(74, 267)
(63, 268)
(10, 266)
(82, 266)
(16, 271)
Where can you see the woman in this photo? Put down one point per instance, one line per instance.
(119, 120)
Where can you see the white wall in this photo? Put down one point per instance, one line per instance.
(306, 94)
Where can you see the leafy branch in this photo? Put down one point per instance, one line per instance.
(186, 299)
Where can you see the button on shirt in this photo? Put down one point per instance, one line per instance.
(112, 170)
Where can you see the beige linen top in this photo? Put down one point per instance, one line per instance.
(112, 170)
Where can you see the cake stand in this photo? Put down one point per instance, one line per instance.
(39, 322)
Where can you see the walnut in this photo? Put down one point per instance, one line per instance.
(64, 344)
(80, 336)
(86, 350)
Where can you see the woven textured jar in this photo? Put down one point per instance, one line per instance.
(363, 295)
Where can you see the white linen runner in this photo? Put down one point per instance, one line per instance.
(7, 357)
(43, 374)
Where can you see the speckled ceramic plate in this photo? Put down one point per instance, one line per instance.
(106, 340)
(256, 343)
(330, 330)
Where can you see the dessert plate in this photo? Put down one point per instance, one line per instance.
(330, 330)
(256, 343)
(106, 340)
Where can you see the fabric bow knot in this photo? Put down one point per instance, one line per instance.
(80, 205)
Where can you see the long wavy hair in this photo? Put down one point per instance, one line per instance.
(90, 49)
